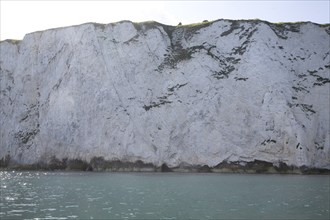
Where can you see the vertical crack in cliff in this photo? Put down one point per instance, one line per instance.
(107, 70)
(122, 104)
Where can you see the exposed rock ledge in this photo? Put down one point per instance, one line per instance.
(219, 96)
(99, 164)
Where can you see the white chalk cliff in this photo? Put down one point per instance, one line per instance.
(196, 94)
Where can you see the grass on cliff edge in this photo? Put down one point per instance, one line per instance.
(193, 25)
(11, 41)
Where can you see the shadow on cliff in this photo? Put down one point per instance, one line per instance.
(99, 164)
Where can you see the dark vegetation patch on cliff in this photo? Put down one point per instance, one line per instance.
(163, 100)
(25, 136)
(259, 166)
(320, 81)
(101, 164)
(11, 41)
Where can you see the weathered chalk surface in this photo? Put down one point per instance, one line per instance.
(201, 95)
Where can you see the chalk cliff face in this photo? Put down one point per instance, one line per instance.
(197, 94)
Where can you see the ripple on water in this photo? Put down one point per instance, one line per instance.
(25, 204)
(109, 208)
(49, 209)
(94, 199)
(72, 206)
(56, 197)
(50, 217)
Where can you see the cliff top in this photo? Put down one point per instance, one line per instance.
(192, 26)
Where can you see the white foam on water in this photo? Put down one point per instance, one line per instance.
(107, 208)
(50, 209)
(19, 211)
(94, 199)
(55, 195)
(51, 217)
(15, 215)
(71, 206)
(25, 204)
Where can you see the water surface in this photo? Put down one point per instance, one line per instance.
(91, 195)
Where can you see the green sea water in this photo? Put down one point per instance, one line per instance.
(93, 195)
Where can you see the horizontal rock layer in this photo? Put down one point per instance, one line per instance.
(207, 94)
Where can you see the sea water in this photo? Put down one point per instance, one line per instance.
(93, 195)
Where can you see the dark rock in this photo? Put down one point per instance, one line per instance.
(77, 164)
(97, 163)
(204, 169)
(165, 168)
(4, 162)
(56, 164)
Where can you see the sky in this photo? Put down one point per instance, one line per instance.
(18, 18)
